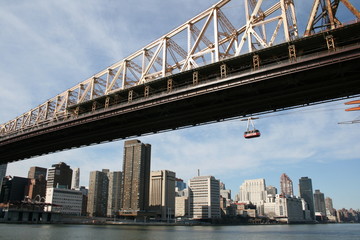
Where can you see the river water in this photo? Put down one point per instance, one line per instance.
(126, 232)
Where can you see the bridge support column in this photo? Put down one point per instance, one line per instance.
(223, 70)
(330, 42)
(195, 78)
(292, 53)
(256, 62)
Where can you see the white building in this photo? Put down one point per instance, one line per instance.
(254, 191)
(181, 207)
(75, 181)
(66, 201)
(284, 208)
(204, 194)
(162, 193)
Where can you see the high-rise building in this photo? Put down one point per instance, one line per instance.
(98, 193)
(330, 211)
(59, 176)
(136, 178)
(254, 191)
(162, 193)
(36, 190)
(182, 206)
(286, 185)
(319, 202)
(179, 184)
(114, 194)
(75, 181)
(36, 172)
(306, 192)
(204, 197)
(13, 189)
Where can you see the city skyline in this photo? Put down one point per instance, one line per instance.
(79, 40)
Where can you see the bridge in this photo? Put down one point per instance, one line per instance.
(217, 73)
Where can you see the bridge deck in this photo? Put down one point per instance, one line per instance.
(317, 75)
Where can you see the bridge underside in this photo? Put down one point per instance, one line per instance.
(315, 75)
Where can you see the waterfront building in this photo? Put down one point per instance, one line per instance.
(284, 208)
(75, 181)
(319, 202)
(254, 192)
(64, 201)
(114, 194)
(13, 189)
(36, 190)
(162, 194)
(36, 172)
(59, 176)
(182, 207)
(306, 192)
(98, 193)
(136, 178)
(330, 211)
(286, 185)
(204, 193)
(85, 192)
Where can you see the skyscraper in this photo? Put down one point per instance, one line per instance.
(36, 172)
(330, 211)
(136, 177)
(254, 191)
(306, 192)
(162, 193)
(36, 190)
(75, 181)
(98, 193)
(286, 185)
(59, 176)
(319, 202)
(204, 194)
(114, 195)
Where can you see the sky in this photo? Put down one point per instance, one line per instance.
(50, 46)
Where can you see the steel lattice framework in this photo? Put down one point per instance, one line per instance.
(207, 38)
(323, 15)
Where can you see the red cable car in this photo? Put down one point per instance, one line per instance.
(251, 133)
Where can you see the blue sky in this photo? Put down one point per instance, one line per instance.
(50, 46)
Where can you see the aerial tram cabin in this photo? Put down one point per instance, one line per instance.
(251, 133)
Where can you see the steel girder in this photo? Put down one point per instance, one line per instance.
(209, 37)
(323, 15)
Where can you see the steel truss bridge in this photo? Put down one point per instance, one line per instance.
(218, 70)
